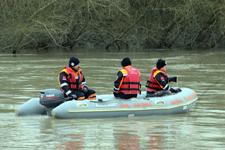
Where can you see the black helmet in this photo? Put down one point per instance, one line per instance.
(73, 61)
(160, 63)
(126, 62)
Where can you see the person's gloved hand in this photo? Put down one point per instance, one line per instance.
(85, 89)
(175, 90)
(115, 90)
(178, 90)
(72, 96)
(173, 79)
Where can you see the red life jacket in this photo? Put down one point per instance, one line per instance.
(152, 84)
(74, 78)
(130, 84)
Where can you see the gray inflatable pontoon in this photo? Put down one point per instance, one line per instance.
(109, 106)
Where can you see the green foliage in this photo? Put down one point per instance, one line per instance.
(111, 24)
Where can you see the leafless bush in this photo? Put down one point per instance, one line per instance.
(111, 24)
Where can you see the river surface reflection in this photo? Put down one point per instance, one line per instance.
(24, 76)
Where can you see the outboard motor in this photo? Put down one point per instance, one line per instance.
(51, 98)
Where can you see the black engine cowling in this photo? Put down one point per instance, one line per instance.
(51, 98)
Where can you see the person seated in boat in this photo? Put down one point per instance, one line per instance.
(127, 85)
(158, 83)
(72, 82)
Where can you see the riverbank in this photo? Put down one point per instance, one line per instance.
(94, 24)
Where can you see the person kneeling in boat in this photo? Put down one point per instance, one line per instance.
(158, 83)
(127, 85)
(72, 82)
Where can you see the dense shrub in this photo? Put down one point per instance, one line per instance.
(117, 24)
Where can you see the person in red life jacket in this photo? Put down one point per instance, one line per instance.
(127, 84)
(158, 83)
(72, 82)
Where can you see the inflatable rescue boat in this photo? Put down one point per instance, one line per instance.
(52, 102)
